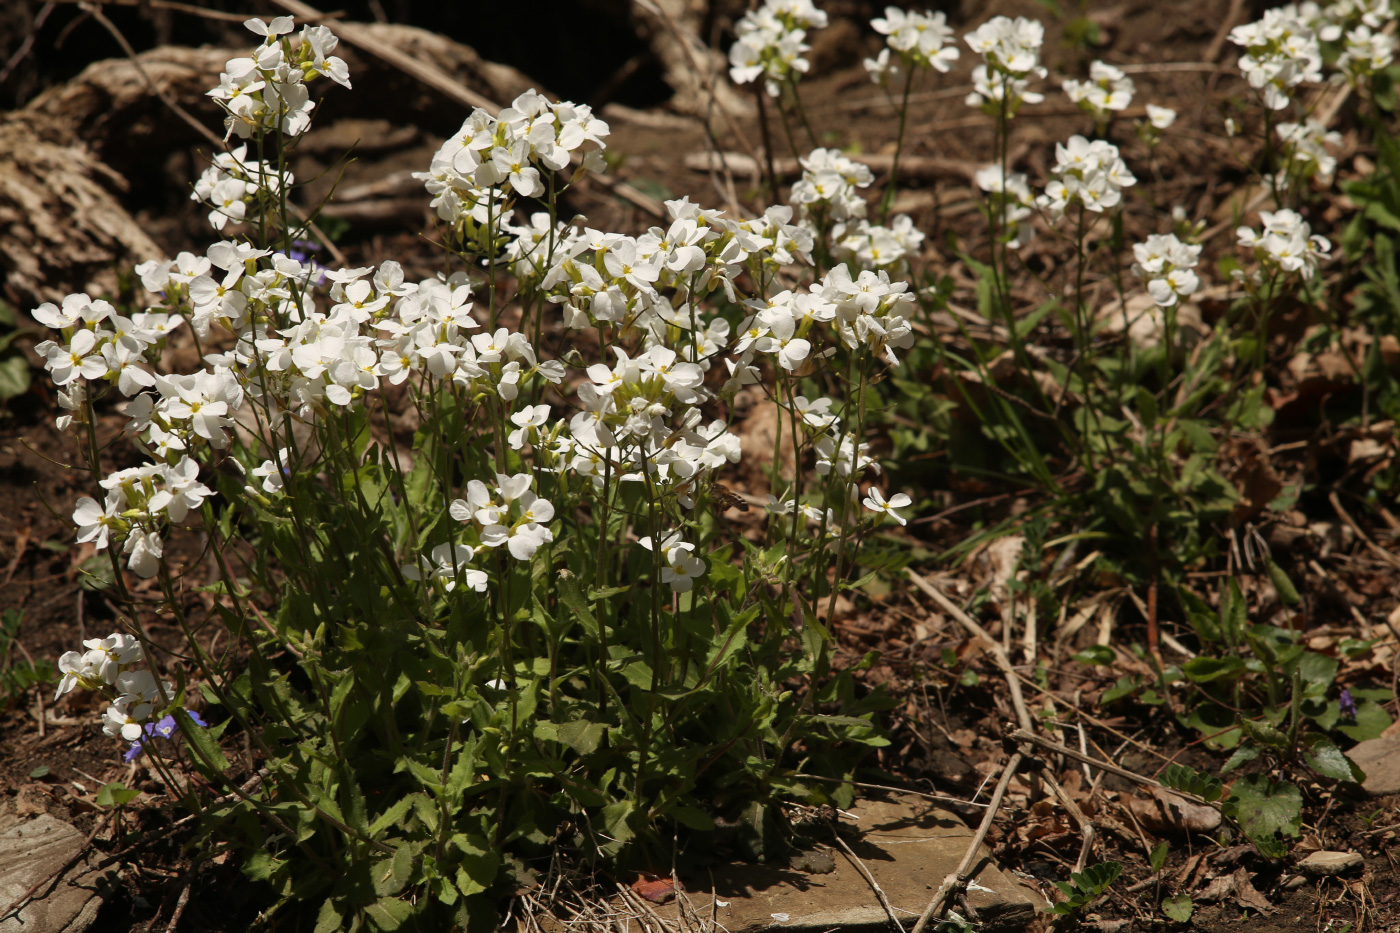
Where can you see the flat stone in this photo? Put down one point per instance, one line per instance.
(1380, 759)
(1324, 864)
(30, 851)
(908, 851)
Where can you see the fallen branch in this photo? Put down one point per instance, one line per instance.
(874, 885)
(958, 880)
(1013, 683)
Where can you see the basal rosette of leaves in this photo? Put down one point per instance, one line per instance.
(493, 613)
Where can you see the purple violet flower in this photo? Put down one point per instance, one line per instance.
(164, 729)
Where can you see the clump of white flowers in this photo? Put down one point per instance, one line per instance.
(1166, 264)
(1009, 198)
(1367, 52)
(1284, 245)
(494, 158)
(829, 186)
(1281, 52)
(1304, 150)
(267, 92)
(107, 666)
(509, 515)
(1330, 20)
(878, 246)
(234, 183)
(1090, 172)
(1010, 50)
(1107, 91)
(918, 40)
(771, 43)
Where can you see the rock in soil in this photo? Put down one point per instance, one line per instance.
(30, 852)
(1380, 759)
(908, 851)
(1326, 864)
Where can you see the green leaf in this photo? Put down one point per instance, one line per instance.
(14, 377)
(1205, 670)
(1265, 809)
(479, 864)
(389, 913)
(1241, 755)
(571, 595)
(1178, 907)
(41, 771)
(1371, 720)
(205, 748)
(1327, 759)
(1100, 655)
(1287, 592)
(391, 816)
(115, 794)
(1186, 778)
(328, 920)
(581, 735)
(1157, 858)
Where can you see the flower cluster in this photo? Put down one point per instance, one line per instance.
(1090, 172)
(267, 92)
(234, 183)
(876, 246)
(771, 43)
(1281, 52)
(918, 40)
(1304, 150)
(1010, 50)
(1107, 91)
(1331, 20)
(1010, 198)
(1367, 52)
(508, 514)
(829, 186)
(138, 501)
(107, 667)
(491, 159)
(650, 284)
(1284, 245)
(1165, 264)
(99, 345)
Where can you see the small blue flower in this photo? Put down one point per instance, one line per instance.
(1347, 704)
(164, 729)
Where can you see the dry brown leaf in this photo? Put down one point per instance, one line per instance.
(1246, 895)
(656, 890)
(1166, 813)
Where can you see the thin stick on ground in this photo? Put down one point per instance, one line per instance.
(1013, 683)
(958, 880)
(874, 885)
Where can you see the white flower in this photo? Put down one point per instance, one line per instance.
(1161, 118)
(680, 566)
(1281, 52)
(1107, 90)
(877, 503)
(447, 563)
(1165, 263)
